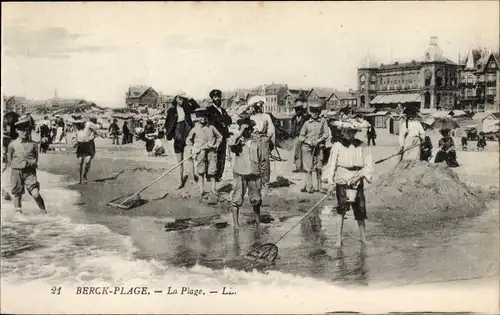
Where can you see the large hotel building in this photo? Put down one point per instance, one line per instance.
(433, 82)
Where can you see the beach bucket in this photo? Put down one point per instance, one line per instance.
(351, 195)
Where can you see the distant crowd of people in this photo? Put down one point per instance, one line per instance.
(325, 149)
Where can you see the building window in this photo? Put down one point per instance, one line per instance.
(470, 79)
(490, 91)
(490, 77)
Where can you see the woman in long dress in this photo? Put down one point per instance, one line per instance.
(411, 135)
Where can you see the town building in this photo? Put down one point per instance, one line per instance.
(342, 99)
(480, 81)
(142, 96)
(430, 83)
(321, 96)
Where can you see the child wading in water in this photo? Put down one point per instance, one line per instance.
(349, 165)
(85, 146)
(206, 139)
(246, 169)
(22, 157)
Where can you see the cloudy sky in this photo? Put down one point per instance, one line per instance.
(96, 50)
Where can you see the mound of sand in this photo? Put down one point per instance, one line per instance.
(417, 196)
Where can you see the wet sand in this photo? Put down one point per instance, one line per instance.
(439, 254)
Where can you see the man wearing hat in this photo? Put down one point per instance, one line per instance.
(247, 171)
(411, 134)
(265, 131)
(204, 139)
(298, 120)
(313, 136)
(218, 117)
(349, 165)
(22, 158)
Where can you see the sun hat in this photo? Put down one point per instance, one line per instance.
(315, 106)
(245, 123)
(257, 100)
(22, 122)
(242, 110)
(353, 124)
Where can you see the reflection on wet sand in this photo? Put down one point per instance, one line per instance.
(352, 270)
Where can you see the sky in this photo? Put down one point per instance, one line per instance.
(97, 50)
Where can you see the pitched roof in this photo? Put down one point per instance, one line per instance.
(138, 90)
(344, 94)
(322, 92)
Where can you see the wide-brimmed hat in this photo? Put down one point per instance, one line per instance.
(200, 112)
(215, 92)
(352, 124)
(22, 122)
(151, 136)
(411, 111)
(257, 100)
(315, 107)
(243, 110)
(245, 123)
(77, 120)
(297, 105)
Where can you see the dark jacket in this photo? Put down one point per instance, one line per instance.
(171, 120)
(221, 121)
(297, 123)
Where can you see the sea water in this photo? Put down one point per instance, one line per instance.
(47, 260)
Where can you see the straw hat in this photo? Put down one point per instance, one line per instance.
(353, 124)
(245, 123)
(242, 110)
(256, 100)
(22, 122)
(315, 106)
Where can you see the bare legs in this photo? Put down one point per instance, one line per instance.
(35, 193)
(340, 226)
(85, 163)
(236, 215)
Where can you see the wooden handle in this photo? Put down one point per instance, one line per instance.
(163, 175)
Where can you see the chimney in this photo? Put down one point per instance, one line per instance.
(434, 41)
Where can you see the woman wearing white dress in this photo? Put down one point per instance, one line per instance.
(411, 134)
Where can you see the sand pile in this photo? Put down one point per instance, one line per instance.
(417, 196)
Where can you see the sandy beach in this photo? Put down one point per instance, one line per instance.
(79, 218)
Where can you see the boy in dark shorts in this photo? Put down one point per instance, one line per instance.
(22, 157)
(246, 170)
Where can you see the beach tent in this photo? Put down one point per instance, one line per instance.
(490, 123)
(457, 113)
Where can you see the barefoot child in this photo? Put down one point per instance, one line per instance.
(22, 157)
(313, 136)
(349, 165)
(206, 139)
(246, 169)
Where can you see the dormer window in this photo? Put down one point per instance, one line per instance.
(427, 56)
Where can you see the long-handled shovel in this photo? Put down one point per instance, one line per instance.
(268, 252)
(136, 198)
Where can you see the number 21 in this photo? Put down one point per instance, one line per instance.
(55, 290)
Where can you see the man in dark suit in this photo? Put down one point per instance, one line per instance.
(218, 117)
